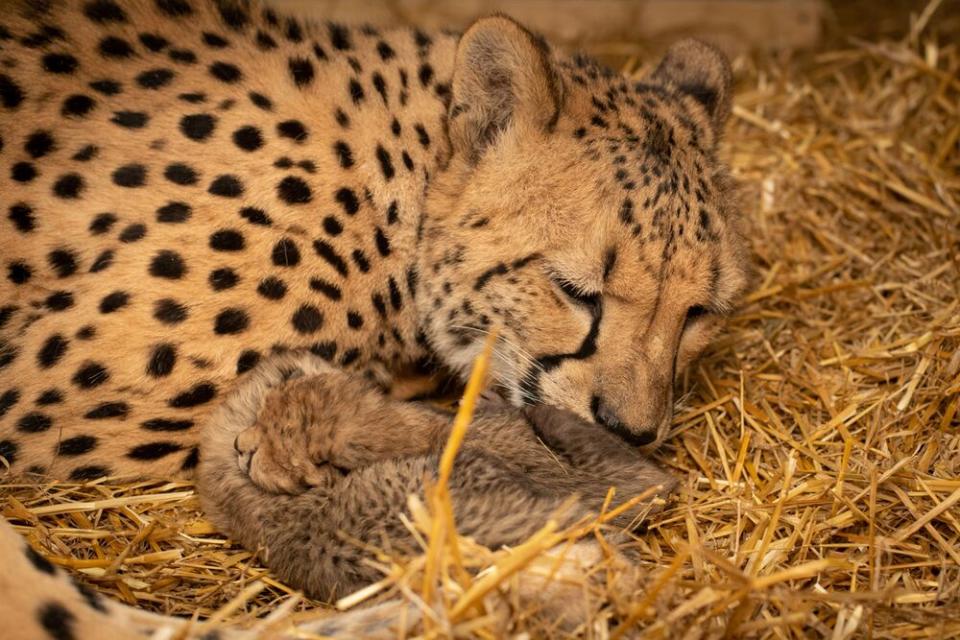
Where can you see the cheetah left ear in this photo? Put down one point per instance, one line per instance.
(702, 71)
(502, 77)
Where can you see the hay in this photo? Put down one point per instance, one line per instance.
(818, 443)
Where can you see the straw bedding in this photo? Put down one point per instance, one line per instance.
(818, 443)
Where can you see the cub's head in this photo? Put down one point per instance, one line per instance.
(586, 218)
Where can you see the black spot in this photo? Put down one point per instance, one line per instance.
(169, 311)
(104, 11)
(199, 394)
(77, 106)
(344, 154)
(163, 424)
(231, 321)
(193, 98)
(301, 70)
(386, 164)
(383, 243)
(56, 620)
(155, 78)
(248, 138)
(285, 253)
(407, 160)
(174, 212)
(184, 56)
(214, 41)
(354, 320)
(60, 63)
(39, 144)
(19, 272)
(360, 259)
(339, 37)
(265, 41)
(233, 14)
(130, 119)
(261, 101)
(348, 199)
(328, 253)
(226, 186)
(425, 74)
(355, 90)
(294, 190)
(10, 92)
(161, 360)
(59, 301)
(167, 264)
(293, 129)
(113, 47)
(8, 398)
(69, 186)
(396, 300)
(107, 410)
(191, 460)
(385, 50)
(256, 216)
(23, 172)
(21, 215)
(63, 261)
(153, 42)
(227, 240)
(331, 291)
(38, 561)
(86, 332)
(332, 226)
(130, 176)
(225, 72)
(133, 233)
(349, 357)
(154, 450)
(52, 350)
(326, 350)
(174, 8)
(102, 223)
(50, 396)
(102, 261)
(8, 452)
(342, 119)
(422, 135)
(272, 288)
(78, 445)
(113, 301)
(182, 174)
(34, 423)
(247, 361)
(8, 353)
(198, 126)
(90, 375)
(307, 319)
(106, 87)
(85, 153)
(89, 472)
(91, 597)
(224, 278)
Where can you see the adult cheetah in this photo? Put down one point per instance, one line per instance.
(217, 215)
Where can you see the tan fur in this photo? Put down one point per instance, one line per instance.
(403, 194)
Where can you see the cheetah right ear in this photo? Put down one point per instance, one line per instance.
(502, 77)
(702, 71)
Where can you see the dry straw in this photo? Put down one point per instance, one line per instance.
(818, 443)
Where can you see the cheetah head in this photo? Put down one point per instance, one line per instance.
(586, 218)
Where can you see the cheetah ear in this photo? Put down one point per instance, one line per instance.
(702, 71)
(502, 77)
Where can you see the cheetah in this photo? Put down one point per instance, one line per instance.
(227, 231)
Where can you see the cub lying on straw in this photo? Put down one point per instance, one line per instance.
(515, 470)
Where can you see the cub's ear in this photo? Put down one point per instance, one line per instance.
(701, 70)
(502, 77)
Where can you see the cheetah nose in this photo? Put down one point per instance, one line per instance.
(609, 419)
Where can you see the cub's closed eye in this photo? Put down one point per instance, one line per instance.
(576, 294)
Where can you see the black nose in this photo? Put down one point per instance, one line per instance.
(612, 422)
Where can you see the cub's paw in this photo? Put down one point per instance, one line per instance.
(311, 431)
